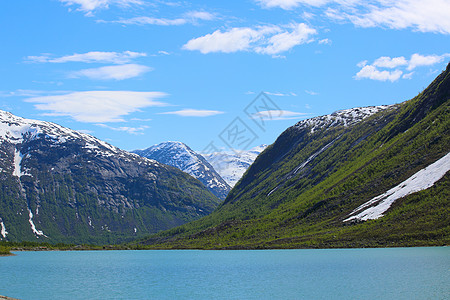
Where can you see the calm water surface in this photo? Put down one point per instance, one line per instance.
(400, 273)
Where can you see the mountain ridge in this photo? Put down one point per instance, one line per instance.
(301, 190)
(60, 185)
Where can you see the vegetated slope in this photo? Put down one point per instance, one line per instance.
(231, 165)
(312, 187)
(60, 185)
(179, 155)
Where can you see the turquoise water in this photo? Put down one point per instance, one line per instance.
(400, 273)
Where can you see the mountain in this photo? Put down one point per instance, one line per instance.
(180, 156)
(231, 165)
(364, 177)
(60, 185)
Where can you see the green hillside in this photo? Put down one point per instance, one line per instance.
(300, 190)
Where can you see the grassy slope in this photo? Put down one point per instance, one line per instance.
(307, 211)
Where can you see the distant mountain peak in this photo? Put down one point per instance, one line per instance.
(181, 156)
(232, 164)
(16, 129)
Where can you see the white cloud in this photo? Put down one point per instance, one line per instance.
(418, 60)
(191, 17)
(131, 130)
(89, 57)
(408, 75)
(151, 21)
(97, 106)
(280, 94)
(200, 15)
(274, 115)
(287, 40)
(419, 15)
(387, 62)
(423, 16)
(312, 93)
(26, 93)
(90, 5)
(325, 42)
(193, 113)
(371, 72)
(236, 39)
(264, 39)
(290, 4)
(119, 72)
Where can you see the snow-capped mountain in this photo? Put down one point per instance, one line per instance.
(364, 177)
(231, 165)
(179, 155)
(62, 185)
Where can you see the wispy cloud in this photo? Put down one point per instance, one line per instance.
(28, 93)
(270, 40)
(97, 106)
(131, 130)
(325, 42)
(119, 72)
(419, 15)
(193, 113)
(396, 66)
(274, 115)
(192, 17)
(280, 94)
(312, 93)
(418, 60)
(90, 5)
(89, 57)
(290, 4)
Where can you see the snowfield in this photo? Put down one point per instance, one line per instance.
(422, 180)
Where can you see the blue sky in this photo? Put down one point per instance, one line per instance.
(136, 73)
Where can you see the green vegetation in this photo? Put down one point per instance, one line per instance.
(4, 251)
(274, 207)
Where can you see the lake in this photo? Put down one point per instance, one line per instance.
(396, 273)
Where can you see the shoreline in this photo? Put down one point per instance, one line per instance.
(7, 298)
(199, 249)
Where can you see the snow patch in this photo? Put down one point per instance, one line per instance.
(33, 227)
(17, 161)
(18, 164)
(422, 180)
(3, 231)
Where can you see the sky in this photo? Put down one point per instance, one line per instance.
(213, 74)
